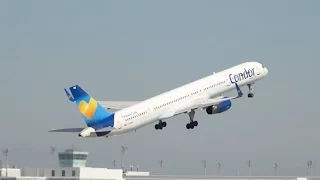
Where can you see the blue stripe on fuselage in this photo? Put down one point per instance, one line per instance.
(102, 133)
(102, 123)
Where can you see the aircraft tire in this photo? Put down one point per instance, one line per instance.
(164, 124)
(189, 126)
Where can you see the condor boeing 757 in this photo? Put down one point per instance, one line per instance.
(128, 116)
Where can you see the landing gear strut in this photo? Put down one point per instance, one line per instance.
(192, 123)
(160, 125)
(250, 94)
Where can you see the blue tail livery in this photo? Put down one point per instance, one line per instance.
(92, 112)
(69, 96)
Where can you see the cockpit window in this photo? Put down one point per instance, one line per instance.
(262, 66)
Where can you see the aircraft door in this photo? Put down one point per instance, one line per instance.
(119, 124)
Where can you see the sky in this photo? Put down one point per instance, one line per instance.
(133, 50)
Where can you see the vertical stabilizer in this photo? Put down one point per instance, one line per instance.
(91, 111)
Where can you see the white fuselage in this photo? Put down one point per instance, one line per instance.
(153, 109)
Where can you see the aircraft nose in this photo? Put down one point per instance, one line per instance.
(266, 70)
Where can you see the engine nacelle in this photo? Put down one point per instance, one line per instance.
(223, 106)
(86, 132)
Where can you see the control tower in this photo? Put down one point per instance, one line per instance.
(72, 158)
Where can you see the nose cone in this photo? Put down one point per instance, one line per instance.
(265, 71)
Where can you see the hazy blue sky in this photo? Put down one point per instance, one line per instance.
(132, 50)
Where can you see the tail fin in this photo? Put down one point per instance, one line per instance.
(69, 96)
(90, 109)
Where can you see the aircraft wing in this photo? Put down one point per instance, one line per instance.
(202, 103)
(205, 102)
(199, 103)
(117, 105)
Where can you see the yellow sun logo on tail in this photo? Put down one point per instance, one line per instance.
(88, 109)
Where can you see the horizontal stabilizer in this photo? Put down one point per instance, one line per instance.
(76, 130)
(67, 130)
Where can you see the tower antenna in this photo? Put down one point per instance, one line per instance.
(205, 168)
(161, 165)
(6, 152)
(219, 167)
(309, 166)
(123, 151)
(114, 164)
(52, 150)
(249, 165)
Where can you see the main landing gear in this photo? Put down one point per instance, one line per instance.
(192, 123)
(160, 125)
(250, 94)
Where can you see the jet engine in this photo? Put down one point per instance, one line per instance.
(86, 132)
(223, 106)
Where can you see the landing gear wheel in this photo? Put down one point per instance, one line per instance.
(195, 123)
(190, 126)
(164, 124)
(192, 123)
(160, 125)
(250, 94)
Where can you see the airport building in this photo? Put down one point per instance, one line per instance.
(73, 158)
(72, 164)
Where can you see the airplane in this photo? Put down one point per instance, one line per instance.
(127, 116)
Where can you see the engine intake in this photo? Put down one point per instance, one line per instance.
(223, 106)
